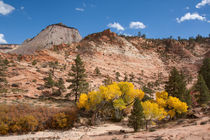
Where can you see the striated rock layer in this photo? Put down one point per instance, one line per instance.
(147, 59)
(53, 35)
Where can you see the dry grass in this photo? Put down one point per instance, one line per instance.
(25, 118)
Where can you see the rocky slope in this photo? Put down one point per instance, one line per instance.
(8, 47)
(150, 60)
(53, 35)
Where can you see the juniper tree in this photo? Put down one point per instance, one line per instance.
(137, 115)
(125, 77)
(53, 65)
(117, 75)
(3, 67)
(147, 90)
(77, 78)
(176, 85)
(49, 82)
(97, 71)
(205, 71)
(202, 88)
(131, 77)
(107, 80)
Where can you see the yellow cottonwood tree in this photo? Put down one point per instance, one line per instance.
(152, 111)
(173, 104)
(120, 95)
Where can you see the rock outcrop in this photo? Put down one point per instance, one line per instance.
(4, 48)
(53, 35)
(150, 60)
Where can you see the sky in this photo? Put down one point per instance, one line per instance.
(22, 19)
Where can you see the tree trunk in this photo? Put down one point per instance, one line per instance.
(147, 125)
(93, 119)
(75, 97)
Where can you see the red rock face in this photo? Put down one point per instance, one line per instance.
(145, 58)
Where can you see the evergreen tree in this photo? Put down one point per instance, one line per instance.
(126, 77)
(176, 85)
(61, 87)
(147, 90)
(78, 78)
(205, 71)
(136, 117)
(131, 77)
(49, 82)
(107, 81)
(97, 71)
(202, 88)
(53, 65)
(117, 75)
(3, 68)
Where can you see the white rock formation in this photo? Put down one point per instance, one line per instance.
(53, 35)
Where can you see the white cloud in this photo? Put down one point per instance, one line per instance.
(22, 8)
(2, 40)
(80, 9)
(116, 25)
(5, 8)
(137, 25)
(208, 21)
(125, 34)
(203, 3)
(189, 16)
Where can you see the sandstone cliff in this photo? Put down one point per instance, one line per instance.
(53, 35)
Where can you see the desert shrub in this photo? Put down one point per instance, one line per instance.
(24, 118)
(3, 128)
(34, 62)
(61, 121)
(28, 123)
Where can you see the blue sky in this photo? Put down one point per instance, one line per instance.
(22, 19)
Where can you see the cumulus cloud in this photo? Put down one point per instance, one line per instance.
(203, 3)
(2, 40)
(80, 9)
(116, 25)
(137, 25)
(5, 8)
(189, 16)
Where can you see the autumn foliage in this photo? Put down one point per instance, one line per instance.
(172, 104)
(121, 95)
(21, 119)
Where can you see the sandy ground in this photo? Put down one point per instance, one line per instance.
(116, 131)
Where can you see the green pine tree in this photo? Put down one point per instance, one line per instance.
(49, 82)
(61, 87)
(78, 78)
(137, 115)
(176, 85)
(117, 76)
(202, 88)
(205, 71)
